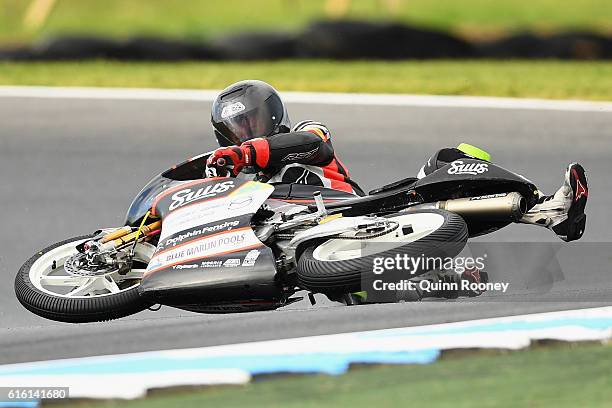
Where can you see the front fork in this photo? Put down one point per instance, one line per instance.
(108, 248)
(118, 239)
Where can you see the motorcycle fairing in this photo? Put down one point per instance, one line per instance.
(468, 178)
(207, 248)
(144, 199)
(192, 169)
(296, 193)
(220, 279)
(473, 177)
(241, 306)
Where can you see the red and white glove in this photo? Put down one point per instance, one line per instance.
(255, 152)
(227, 158)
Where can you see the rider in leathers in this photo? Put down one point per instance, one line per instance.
(251, 124)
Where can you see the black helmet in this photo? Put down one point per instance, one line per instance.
(246, 110)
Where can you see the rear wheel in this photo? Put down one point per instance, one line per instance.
(45, 287)
(339, 265)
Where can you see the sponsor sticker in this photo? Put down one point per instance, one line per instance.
(231, 263)
(232, 110)
(192, 217)
(251, 257)
(458, 167)
(486, 197)
(299, 156)
(246, 198)
(227, 225)
(222, 242)
(188, 195)
(185, 267)
(211, 264)
(239, 203)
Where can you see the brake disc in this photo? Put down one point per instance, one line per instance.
(79, 265)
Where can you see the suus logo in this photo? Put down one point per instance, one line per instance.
(458, 167)
(187, 195)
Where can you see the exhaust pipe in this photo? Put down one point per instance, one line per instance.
(493, 207)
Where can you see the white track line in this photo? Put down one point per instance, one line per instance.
(318, 98)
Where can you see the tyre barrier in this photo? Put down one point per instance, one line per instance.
(363, 40)
(163, 49)
(255, 46)
(571, 45)
(71, 48)
(340, 40)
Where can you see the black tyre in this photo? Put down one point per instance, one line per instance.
(79, 309)
(319, 274)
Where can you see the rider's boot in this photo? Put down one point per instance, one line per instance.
(563, 212)
(356, 298)
(349, 299)
(456, 288)
(473, 275)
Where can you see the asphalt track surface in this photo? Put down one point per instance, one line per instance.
(71, 166)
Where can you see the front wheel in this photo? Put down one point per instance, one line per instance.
(338, 265)
(46, 288)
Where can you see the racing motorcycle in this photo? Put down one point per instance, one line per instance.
(223, 245)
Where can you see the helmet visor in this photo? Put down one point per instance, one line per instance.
(239, 124)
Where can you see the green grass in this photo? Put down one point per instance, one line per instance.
(560, 376)
(197, 18)
(549, 79)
